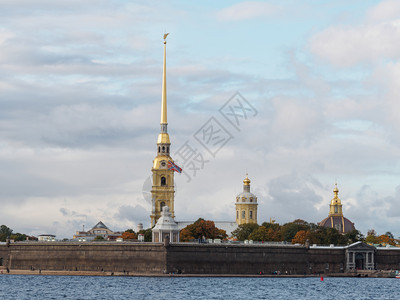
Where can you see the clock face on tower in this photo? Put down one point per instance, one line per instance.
(163, 164)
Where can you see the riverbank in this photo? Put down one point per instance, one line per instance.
(364, 273)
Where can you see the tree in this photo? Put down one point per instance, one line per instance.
(260, 234)
(244, 230)
(354, 236)
(301, 237)
(389, 234)
(371, 237)
(386, 240)
(19, 237)
(202, 229)
(5, 233)
(127, 235)
(99, 238)
(148, 235)
(332, 236)
(289, 230)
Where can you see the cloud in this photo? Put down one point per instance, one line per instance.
(247, 10)
(376, 39)
(129, 213)
(345, 46)
(384, 11)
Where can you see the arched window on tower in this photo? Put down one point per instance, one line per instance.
(163, 149)
(159, 149)
(162, 204)
(237, 214)
(251, 214)
(167, 149)
(336, 209)
(243, 214)
(163, 181)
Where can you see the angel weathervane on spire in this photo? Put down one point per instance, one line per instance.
(165, 36)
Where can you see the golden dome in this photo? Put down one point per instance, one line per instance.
(246, 181)
(163, 138)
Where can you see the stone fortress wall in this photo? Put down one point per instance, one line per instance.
(187, 258)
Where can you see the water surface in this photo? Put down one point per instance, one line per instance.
(94, 287)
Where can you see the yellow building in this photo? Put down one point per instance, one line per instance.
(162, 191)
(335, 218)
(246, 205)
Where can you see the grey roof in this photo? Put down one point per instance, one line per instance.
(343, 224)
(100, 225)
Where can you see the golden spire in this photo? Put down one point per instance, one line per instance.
(336, 204)
(164, 86)
(336, 191)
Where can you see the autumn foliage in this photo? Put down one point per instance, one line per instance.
(201, 229)
(129, 236)
(301, 237)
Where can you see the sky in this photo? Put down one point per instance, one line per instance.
(301, 95)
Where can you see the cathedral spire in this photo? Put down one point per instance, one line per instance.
(164, 90)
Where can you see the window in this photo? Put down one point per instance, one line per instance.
(159, 149)
(163, 149)
(167, 149)
(251, 199)
(336, 209)
(251, 214)
(163, 181)
(243, 214)
(162, 204)
(237, 214)
(1, 261)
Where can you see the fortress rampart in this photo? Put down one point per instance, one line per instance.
(187, 258)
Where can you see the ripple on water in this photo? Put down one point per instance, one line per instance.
(91, 287)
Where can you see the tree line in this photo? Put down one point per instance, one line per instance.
(300, 231)
(7, 233)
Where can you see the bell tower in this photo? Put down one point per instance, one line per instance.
(162, 191)
(246, 205)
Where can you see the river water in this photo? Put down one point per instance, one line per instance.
(93, 287)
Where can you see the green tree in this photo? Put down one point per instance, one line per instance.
(244, 230)
(5, 233)
(371, 237)
(354, 236)
(99, 238)
(18, 237)
(289, 230)
(332, 236)
(147, 234)
(259, 234)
